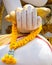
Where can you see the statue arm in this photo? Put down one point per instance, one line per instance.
(11, 5)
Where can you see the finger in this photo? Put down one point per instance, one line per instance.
(29, 16)
(34, 18)
(39, 21)
(23, 19)
(18, 18)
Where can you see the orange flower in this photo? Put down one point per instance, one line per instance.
(16, 44)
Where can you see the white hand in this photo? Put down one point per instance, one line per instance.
(27, 19)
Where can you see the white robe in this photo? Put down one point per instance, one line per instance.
(36, 52)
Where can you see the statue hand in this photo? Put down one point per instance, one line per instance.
(27, 19)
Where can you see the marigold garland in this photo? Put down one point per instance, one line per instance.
(14, 34)
(8, 59)
(16, 44)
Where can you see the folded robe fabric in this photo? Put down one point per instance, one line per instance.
(5, 39)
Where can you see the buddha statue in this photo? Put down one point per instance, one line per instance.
(30, 48)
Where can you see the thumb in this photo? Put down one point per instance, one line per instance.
(39, 21)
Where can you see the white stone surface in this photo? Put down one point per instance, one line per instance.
(36, 52)
(11, 5)
(36, 2)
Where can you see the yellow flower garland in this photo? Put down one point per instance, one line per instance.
(8, 59)
(16, 44)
